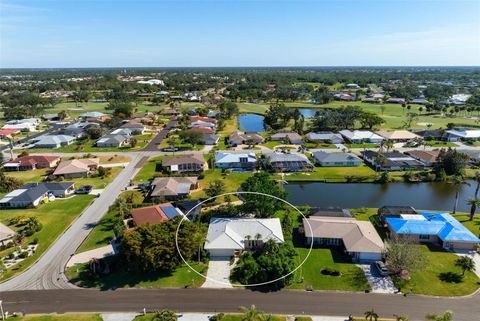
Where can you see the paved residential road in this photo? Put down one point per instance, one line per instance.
(225, 300)
(47, 272)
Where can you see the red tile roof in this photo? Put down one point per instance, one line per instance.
(34, 159)
(8, 131)
(203, 130)
(205, 119)
(150, 214)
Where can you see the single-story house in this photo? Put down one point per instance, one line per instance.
(112, 140)
(134, 127)
(397, 135)
(78, 129)
(76, 167)
(336, 159)
(30, 162)
(236, 138)
(291, 137)
(358, 238)
(171, 188)
(473, 154)
(427, 157)
(185, 164)
(360, 136)
(463, 133)
(94, 116)
(54, 141)
(210, 139)
(203, 119)
(29, 124)
(395, 101)
(420, 101)
(431, 227)
(229, 236)
(393, 161)
(433, 134)
(155, 214)
(236, 161)
(288, 162)
(325, 137)
(4, 133)
(31, 195)
(203, 130)
(6, 234)
(58, 189)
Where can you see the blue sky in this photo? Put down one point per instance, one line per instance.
(108, 33)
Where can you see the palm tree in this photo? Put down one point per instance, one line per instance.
(371, 315)
(447, 316)
(477, 178)
(400, 318)
(199, 239)
(389, 145)
(250, 314)
(466, 263)
(457, 182)
(474, 204)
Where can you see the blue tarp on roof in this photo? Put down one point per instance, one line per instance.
(169, 211)
(445, 226)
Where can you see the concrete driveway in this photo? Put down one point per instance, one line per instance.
(218, 274)
(379, 284)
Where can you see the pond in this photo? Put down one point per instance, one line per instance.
(251, 123)
(308, 112)
(426, 196)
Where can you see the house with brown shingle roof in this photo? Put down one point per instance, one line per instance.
(185, 164)
(171, 188)
(77, 167)
(359, 238)
(237, 138)
(427, 157)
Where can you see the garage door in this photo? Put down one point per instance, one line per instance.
(221, 252)
(369, 256)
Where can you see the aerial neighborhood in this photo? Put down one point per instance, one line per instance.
(368, 186)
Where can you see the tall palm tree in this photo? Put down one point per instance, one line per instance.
(371, 315)
(250, 314)
(447, 316)
(474, 203)
(458, 181)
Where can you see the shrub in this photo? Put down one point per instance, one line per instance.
(329, 271)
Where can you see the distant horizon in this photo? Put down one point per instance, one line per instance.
(245, 67)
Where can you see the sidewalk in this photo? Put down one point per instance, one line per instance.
(85, 257)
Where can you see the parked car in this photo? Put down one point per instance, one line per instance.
(170, 149)
(86, 189)
(382, 269)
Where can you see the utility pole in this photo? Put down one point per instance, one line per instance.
(1, 310)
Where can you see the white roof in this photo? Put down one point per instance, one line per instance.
(360, 134)
(234, 158)
(12, 195)
(465, 133)
(461, 97)
(230, 233)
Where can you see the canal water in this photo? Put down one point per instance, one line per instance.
(308, 112)
(429, 196)
(251, 123)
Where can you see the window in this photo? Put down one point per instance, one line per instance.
(424, 237)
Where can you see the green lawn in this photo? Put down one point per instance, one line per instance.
(61, 317)
(120, 277)
(148, 171)
(335, 174)
(352, 278)
(272, 144)
(365, 145)
(440, 144)
(55, 218)
(38, 175)
(440, 276)
(232, 180)
(231, 125)
(101, 234)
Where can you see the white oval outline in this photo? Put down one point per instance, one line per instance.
(184, 217)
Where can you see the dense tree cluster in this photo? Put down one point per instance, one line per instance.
(345, 118)
(262, 206)
(451, 162)
(152, 247)
(268, 263)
